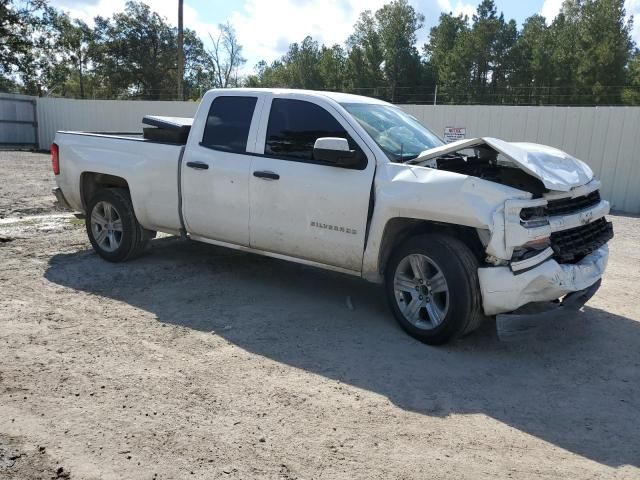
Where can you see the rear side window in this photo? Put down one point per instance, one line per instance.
(228, 123)
(295, 125)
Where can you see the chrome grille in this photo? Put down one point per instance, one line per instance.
(571, 205)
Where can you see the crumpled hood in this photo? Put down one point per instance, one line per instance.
(556, 169)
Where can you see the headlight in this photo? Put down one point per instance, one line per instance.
(530, 249)
(537, 244)
(530, 255)
(533, 217)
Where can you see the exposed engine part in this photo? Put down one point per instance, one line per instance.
(486, 165)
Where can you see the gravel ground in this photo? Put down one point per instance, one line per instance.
(201, 362)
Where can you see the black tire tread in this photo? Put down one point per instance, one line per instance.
(141, 236)
(470, 262)
(460, 253)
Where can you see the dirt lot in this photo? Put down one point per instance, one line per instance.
(200, 362)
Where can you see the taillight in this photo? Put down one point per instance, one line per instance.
(55, 159)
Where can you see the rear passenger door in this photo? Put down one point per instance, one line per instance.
(215, 169)
(301, 207)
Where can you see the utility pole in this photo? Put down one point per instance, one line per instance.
(180, 51)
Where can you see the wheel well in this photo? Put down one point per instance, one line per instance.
(398, 230)
(91, 182)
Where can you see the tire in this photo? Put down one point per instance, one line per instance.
(437, 312)
(112, 227)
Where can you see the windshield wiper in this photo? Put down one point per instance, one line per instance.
(401, 157)
(396, 158)
(407, 158)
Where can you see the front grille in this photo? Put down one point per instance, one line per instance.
(571, 205)
(572, 245)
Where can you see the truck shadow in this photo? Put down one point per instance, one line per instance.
(576, 385)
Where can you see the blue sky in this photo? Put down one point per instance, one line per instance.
(519, 10)
(266, 27)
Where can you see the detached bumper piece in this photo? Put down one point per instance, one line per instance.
(511, 326)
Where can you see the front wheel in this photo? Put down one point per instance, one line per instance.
(112, 227)
(432, 287)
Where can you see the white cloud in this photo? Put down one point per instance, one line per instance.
(550, 9)
(459, 8)
(633, 10)
(87, 10)
(266, 28)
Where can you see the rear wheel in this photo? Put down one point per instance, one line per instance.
(112, 227)
(432, 287)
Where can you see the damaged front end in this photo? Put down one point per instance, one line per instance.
(546, 248)
(541, 249)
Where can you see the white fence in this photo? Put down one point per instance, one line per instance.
(18, 123)
(606, 138)
(122, 116)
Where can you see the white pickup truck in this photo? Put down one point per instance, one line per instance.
(457, 232)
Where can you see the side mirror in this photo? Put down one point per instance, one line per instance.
(335, 151)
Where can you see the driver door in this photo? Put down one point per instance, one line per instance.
(300, 207)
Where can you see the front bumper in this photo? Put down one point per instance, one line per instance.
(503, 291)
(527, 320)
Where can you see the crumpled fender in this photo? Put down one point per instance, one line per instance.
(415, 192)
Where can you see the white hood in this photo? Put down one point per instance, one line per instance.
(556, 169)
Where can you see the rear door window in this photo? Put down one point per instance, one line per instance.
(228, 123)
(295, 125)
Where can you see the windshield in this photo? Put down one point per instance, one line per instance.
(397, 133)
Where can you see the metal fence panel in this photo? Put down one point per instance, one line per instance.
(18, 126)
(102, 115)
(606, 138)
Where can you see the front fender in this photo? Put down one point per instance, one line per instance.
(422, 193)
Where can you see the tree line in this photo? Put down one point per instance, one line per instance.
(585, 56)
(133, 54)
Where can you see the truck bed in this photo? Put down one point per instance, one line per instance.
(171, 130)
(149, 167)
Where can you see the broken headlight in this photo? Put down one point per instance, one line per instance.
(530, 249)
(531, 254)
(532, 217)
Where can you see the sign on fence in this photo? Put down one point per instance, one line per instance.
(453, 134)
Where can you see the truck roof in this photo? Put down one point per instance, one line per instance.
(336, 96)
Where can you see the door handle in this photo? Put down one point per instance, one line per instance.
(198, 165)
(267, 175)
